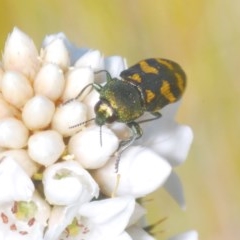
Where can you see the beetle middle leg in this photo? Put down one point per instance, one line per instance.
(155, 114)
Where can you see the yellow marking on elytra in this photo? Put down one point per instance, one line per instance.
(146, 68)
(136, 77)
(180, 82)
(165, 63)
(166, 91)
(149, 95)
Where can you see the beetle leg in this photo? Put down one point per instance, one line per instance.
(156, 116)
(96, 86)
(109, 77)
(123, 145)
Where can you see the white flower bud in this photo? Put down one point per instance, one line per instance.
(6, 109)
(76, 80)
(38, 112)
(57, 53)
(69, 115)
(92, 59)
(50, 81)
(141, 171)
(90, 100)
(67, 183)
(16, 88)
(45, 147)
(87, 149)
(13, 133)
(22, 158)
(20, 54)
(15, 185)
(115, 65)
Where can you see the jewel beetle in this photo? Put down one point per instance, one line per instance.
(147, 86)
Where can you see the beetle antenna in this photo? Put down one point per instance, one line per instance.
(82, 123)
(107, 73)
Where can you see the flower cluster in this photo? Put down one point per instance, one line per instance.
(57, 181)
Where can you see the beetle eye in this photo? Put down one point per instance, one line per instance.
(111, 119)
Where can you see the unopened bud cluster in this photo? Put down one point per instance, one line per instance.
(34, 88)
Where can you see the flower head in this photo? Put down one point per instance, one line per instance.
(57, 167)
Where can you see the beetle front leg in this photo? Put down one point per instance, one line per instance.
(123, 145)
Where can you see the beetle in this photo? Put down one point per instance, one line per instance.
(147, 86)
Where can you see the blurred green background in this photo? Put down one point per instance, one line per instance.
(204, 37)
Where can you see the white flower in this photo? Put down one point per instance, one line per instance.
(24, 220)
(48, 133)
(102, 220)
(67, 183)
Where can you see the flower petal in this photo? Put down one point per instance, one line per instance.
(174, 187)
(168, 139)
(59, 219)
(15, 185)
(22, 158)
(113, 222)
(141, 172)
(190, 235)
(138, 233)
(122, 236)
(68, 183)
